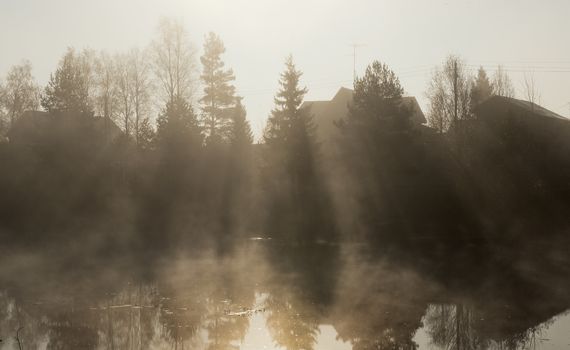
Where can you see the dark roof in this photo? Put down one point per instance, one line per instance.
(327, 113)
(512, 104)
(33, 124)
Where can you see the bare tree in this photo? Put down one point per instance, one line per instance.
(106, 90)
(449, 94)
(140, 89)
(502, 84)
(88, 61)
(124, 82)
(438, 118)
(20, 92)
(530, 90)
(174, 60)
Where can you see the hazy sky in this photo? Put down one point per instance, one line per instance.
(411, 36)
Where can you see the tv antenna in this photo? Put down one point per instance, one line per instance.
(354, 47)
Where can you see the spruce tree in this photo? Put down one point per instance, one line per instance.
(177, 127)
(236, 181)
(218, 100)
(178, 143)
(289, 125)
(291, 157)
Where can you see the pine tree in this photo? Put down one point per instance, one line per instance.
(218, 99)
(68, 88)
(379, 148)
(377, 104)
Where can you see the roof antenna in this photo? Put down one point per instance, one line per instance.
(354, 47)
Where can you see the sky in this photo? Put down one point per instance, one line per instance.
(411, 36)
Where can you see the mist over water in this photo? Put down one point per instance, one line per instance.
(138, 210)
(266, 294)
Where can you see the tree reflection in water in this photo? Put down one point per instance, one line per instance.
(371, 302)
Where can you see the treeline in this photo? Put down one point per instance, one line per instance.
(99, 162)
(484, 176)
(97, 166)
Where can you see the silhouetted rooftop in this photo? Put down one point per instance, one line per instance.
(326, 113)
(520, 105)
(32, 124)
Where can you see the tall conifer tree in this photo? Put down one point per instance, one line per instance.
(291, 156)
(218, 99)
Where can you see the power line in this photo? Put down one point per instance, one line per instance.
(522, 69)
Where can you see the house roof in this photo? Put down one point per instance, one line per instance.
(327, 113)
(32, 124)
(520, 105)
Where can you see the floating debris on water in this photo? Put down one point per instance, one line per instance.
(245, 312)
(260, 238)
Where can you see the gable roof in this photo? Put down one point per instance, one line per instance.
(327, 113)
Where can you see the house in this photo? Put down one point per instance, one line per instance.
(327, 113)
(528, 122)
(501, 107)
(524, 138)
(38, 127)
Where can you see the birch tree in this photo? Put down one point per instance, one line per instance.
(502, 84)
(20, 92)
(174, 60)
(449, 94)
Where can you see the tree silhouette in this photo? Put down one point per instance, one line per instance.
(238, 183)
(502, 84)
(240, 134)
(173, 60)
(449, 95)
(177, 126)
(296, 195)
(146, 135)
(19, 93)
(218, 99)
(377, 105)
(68, 88)
(384, 156)
(106, 96)
(481, 88)
(292, 323)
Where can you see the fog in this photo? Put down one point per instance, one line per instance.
(139, 209)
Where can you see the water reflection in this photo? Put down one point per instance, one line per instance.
(299, 297)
